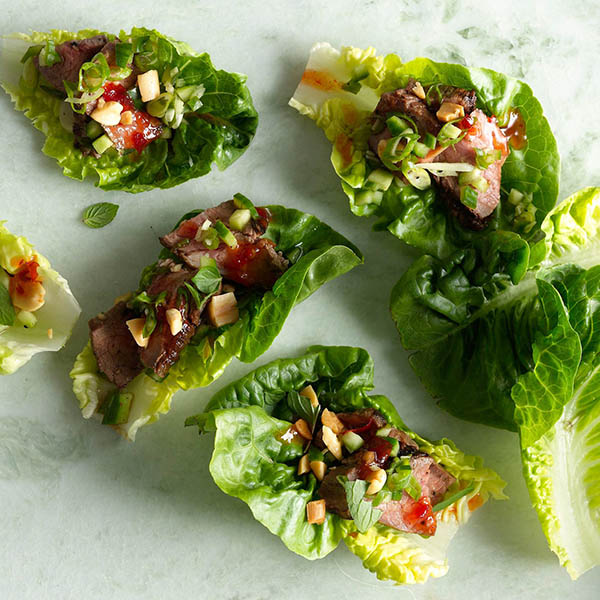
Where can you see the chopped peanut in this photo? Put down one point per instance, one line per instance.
(223, 310)
(126, 117)
(303, 429)
(109, 114)
(175, 320)
(304, 465)
(50, 333)
(315, 512)
(449, 111)
(309, 393)
(319, 468)
(376, 481)
(136, 327)
(418, 91)
(149, 85)
(332, 442)
(331, 420)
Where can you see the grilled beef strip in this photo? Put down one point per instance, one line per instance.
(486, 135)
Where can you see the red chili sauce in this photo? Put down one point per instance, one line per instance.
(320, 80)
(143, 129)
(516, 130)
(26, 274)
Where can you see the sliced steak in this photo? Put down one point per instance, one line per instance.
(434, 480)
(407, 444)
(361, 418)
(333, 493)
(115, 349)
(255, 261)
(73, 53)
(407, 514)
(447, 93)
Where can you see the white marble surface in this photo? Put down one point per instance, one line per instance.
(86, 515)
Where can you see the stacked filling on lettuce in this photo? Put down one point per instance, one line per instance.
(318, 460)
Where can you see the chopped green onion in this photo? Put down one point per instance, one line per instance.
(430, 140)
(93, 129)
(381, 497)
(469, 196)
(452, 499)
(395, 445)
(450, 131)
(93, 74)
(486, 158)
(380, 179)
(26, 318)
(444, 169)
(474, 178)
(315, 454)
(242, 202)
(353, 85)
(225, 234)
(150, 324)
(210, 238)
(515, 197)
(421, 150)
(85, 97)
(48, 55)
(416, 176)
(123, 54)
(31, 52)
(158, 106)
(389, 157)
(398, 126)
(116, 408)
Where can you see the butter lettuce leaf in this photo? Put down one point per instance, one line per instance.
(316, 253)
(418, 217)
(251, 461)
(218, 132)
(55, 319)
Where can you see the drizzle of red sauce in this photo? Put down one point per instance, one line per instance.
(343, 145)
(143, 129)
(26, 274)
(381, 449)
(188, 229)
(516, 130)
(418, 514)
(249, 263)
(320, 80)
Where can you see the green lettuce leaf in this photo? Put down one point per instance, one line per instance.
(316, 253)
(219, 132)
(251, 461)
(58, 315)
(471, 320)
(417, 217)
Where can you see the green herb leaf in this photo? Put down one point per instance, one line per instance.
(207, 279)
(7, 310)
(362, 512)
(100, 214)
(452, 499)
(123, 54)
(301, 407)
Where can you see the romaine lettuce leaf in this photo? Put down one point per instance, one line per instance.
(251, 462)
(220, 131)
(55, 319)
(316, 253)
(417, 217)
(525, 357)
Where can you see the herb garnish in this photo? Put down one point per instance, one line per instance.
(100, 214)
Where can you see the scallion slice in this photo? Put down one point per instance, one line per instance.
(421, 150)
(48, 55)
(31, 51)
(430, 140)
(242, 202)
(93, 74)
(225, 234)
(474, 178)
(446, 169)
(468, 196)
(416, 176)
(486, 158)
(123, 54)
(452, 499)
(398, 126)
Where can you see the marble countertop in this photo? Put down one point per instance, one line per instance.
(87, 515)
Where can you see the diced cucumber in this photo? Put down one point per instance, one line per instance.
(225, 234)
(210, 238)
(395, 446)
(239, 219)
(383, 432)
(185, 92)
(102, 144)
(380, 179)
(242, 202)
(450, 131)
(430, 140)
(398, 126)
(116, 408)
(93, 130)
(352, 441)
(421, 150)
(26, 318)
(515, 197)
(207, 261)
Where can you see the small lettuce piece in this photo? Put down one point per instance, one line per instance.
(251, 461)
(417, 217)
(316, 253)
(58, 314)
(471, 319)
(219, 132)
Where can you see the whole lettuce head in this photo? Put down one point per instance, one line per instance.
(54, 320)
(251, 462)
(523, 356)
(339, 91)
(218, 131)
(316, 253)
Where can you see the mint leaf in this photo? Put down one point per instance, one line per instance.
(100, 214)
(301, 407)
(207, 279)
(7, 310)
(362, 512)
